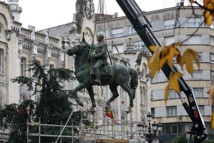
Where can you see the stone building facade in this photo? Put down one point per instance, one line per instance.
(20, 46)
(9, 41)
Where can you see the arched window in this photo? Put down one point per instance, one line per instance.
(1, 28)
(23, 66)
(1, 98)
(3, 25)
(145, 96)
(141, 95)
(51, 66)
(1, 61)
(144, 70)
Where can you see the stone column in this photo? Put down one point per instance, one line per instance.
(33, 54)
(20, 57)
(48, 52)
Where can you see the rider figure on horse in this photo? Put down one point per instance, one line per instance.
(100, 57)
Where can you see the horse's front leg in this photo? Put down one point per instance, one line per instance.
(74, 93)
(114, 91)
(91, 94)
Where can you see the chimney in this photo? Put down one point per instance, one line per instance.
(115, 14)
(182, 3)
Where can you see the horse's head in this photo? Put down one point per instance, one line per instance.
(78, 48)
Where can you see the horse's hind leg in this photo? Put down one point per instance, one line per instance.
(91, 94)
(130, 92)
(113, 89)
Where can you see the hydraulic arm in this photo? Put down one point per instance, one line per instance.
(144, 29)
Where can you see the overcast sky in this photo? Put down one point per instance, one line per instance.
(48, 13)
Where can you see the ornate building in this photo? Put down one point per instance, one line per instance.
(18, 47)
(10, 28)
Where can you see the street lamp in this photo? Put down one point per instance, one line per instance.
(152, 131)
(159, 128)
(140, 129)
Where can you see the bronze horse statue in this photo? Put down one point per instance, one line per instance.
(112, 75)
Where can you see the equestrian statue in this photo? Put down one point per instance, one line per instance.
(93, 69)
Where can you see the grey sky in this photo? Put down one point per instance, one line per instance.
(48, 13)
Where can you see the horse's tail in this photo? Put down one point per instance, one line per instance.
(134, 79)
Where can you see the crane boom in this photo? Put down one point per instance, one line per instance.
(144, 29)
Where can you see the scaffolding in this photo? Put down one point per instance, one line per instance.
(110, 131)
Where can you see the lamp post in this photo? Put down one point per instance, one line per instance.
(152, 130)
(140, 129)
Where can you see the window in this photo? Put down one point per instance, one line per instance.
(193, 22)
(167, 129)
(23, 66)
(105, 33)
(212, 40)
(1, 60)
(198, 92)
(212, 57)
(51, 66)
(196, 39)
(1, 28)
(169, 40)
(138, 45)
(144, 95)
(117, 32)
(39, 62)
(201, 109)
(197, 74)
(172, 129)
(168, 24)
(152, 95)
(171, 111)
(200, 56)
(153, 112)
(172, 94)
(212, 75)
(131, 30)
(141, 95)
